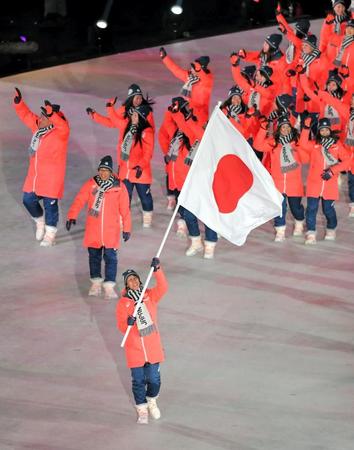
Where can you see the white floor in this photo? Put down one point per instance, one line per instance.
(259, 342)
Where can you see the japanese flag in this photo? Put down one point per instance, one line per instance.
(227, 187)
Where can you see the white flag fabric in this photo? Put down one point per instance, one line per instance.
(227, 187)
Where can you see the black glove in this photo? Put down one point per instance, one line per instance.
(155, 263)
(344, 71)
(234, 59)
(69, 223)
(290, 73)
(242, 53)
(307, 121)
(330, 19)
(90, 111)
(139, 171)
(18, 96)
(47, 111)
(327, 174)
(163, 53)
(126, 236)
(111, 102)
(177, 103)
(131, 320)
(186, 111)
(264, 122)
(300, 69)
(167, 159)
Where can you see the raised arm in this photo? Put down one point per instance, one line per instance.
(24, 113)
(174, 68)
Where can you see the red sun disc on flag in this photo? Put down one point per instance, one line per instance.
(232, 179)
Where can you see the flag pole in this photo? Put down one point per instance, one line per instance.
(137, 306)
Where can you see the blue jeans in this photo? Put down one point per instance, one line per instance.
(110, 259)
(296, 208)
(351, 186)
(193, 226)
(144, 194)
(146, 382)
(328, 211)
(31, 203)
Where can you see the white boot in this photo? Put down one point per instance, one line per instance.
(195, 247)
(109, 292)
(310, 238)
(143, 414)
(351, 210)
(147, 219)
(153, 408)
(171, 202)
(330, 235)
(40, 227)
(96, 287)
(209, 248)
(182, 230)
(279, 234)
(299, 228)
(49, 237)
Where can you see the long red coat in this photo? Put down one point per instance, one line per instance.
(46, 171)
(104, 230)
(138, 349)
(289, 183)
(311, 153)
(176, 170)
(112, 121)
(201, 91)
(140, 153)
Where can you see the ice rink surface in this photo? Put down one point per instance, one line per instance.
(259, 341)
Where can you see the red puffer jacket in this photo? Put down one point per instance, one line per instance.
(201, 91)
(112, 120)
(289, 183)
(46, 172)
(104, 230)
(140, 153)
(312, 153)
(177, 170)
(139, 349)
